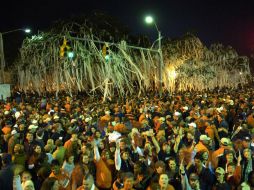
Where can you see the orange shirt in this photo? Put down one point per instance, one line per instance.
(103, 175)
(63, 179)
(218, 153)
(200, 147)
(67, 107)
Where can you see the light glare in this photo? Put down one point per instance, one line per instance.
(149, 19)
(27, 30)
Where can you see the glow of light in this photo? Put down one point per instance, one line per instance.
(70, 54)
(149, 19)
(172, 74)
(27, 30)
(240, 73)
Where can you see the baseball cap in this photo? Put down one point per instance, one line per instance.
(204, 138)
(193, 176)
(13, 132)
(225, 141)
(193, 124)
(220, 170)
(177, 113)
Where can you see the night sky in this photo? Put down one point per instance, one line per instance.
(226, 21)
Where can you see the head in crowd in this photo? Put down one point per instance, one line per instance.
(26, 175)
(88, 182)
(128, 181)
(172, 164)
(105, 155)
(55, 167)
(220, 174)
(163, 180)
(229, 155)
(85, 159)
(160, 167)
(6, 159)
(194, 181)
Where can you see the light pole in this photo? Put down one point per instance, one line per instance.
(2, 49)
(150, 20)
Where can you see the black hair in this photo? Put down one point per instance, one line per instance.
(128, 175)
(55, 163)
(199, 156)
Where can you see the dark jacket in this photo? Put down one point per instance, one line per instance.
(6, 178)
(206, 178)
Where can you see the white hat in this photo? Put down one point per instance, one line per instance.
(17, 114)
(32, 127)
(34, 121)
(6, 112)
(225, 141)
(162, 119)
(88, 119)
(107, 112)
(231, 102)
(193, 124)
(51, 111)
(13, 132)
(204, 138)
(73, 120)
(16, 125)
(185, 108)
(177, 113)
(219, 109)
(56, 117)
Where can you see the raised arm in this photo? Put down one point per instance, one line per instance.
(155, 143)
(97, 155)
(118, 160)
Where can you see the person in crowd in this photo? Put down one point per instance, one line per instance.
(29, 144)
(85, 166)
(59, 153)
(151, 136)
(173, 173)
(19, 156)
(61, 175)
(51, 183)
(217, 155)
(249, 183)
(6, 173)
(14, 139)
(104, 168)
(163, 183)
(68, 164)
(220, 183)
(248, 163)
(88, 183)
(141, 177)
(206, 177)
(128, 181)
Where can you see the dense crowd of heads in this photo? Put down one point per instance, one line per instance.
(179, 141)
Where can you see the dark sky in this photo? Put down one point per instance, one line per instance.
(230, 22)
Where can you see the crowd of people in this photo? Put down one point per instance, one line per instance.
(185, 141)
